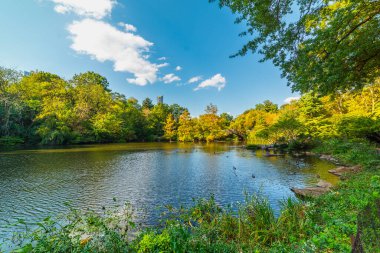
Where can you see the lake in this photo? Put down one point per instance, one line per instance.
(37, 183)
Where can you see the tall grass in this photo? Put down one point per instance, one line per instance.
(203, 227)
(78, 232)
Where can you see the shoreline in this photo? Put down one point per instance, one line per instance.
(324, 223)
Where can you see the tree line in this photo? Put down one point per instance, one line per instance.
(43, 108)
(354, 114)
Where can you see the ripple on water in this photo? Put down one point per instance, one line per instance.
(37, 183)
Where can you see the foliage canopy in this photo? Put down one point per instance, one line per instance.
(320, 45)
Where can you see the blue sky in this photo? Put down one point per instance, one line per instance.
(138, 45)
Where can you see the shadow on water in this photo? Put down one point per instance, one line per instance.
(35, 183)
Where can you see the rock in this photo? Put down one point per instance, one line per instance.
(310, 191)
(342, 170)
(329, 158)
(324, 184)
(321, 188)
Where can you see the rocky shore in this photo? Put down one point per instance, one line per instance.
(322, 186)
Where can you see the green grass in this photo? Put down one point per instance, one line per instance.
(324, 224)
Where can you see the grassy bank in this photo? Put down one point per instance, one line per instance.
(325, 224)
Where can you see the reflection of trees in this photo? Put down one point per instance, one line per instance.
(307, 165)
(215, 148)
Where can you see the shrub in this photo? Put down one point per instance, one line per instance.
(10, 141)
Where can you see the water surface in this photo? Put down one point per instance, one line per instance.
(36, 183)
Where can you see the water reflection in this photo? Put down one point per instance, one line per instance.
(36, 183)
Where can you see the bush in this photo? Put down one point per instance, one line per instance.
(301, 144)
(351, 152)
(253, 147)
(10, 141)
(360, 127)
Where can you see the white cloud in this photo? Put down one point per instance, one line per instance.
(290, 99)
(195, 79)
(128, 27)
(97, 9)
(103, 42)
(217, 81)
(169, 78)
(100, 40)
(162, 65)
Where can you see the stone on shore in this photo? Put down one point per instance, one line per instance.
(321, 188)
(342, 170)
(324, 184)
(310, 191)
(329, 158)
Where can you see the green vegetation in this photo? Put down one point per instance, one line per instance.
(352, 152)
(320, 45)
(300, 124)
(43, 108)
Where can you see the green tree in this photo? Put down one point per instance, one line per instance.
(90, 78)
(243, 123)
(287, 129)
(314, 116)
(170, 128)
(7, 78)
(225, 121)
(147, 104)
(133, 101)
(209, 126)
(156, 118)
(267, 106)
(12, 109)
(91, 99)
(38, 92)
(185, 131)
(134, 122)
(321, 46)
(360, 127)
(176, 110)
(211, 109)
(56, 113)
(107, 127)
